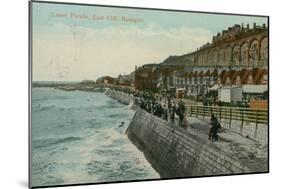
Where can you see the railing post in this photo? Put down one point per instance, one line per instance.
(241, 114)
(242, 120)
(230, 117)
(203, 112)
(220, 113)
(256, 128)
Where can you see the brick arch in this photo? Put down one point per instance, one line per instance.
(253, 39)
(263, 53)
(244, 53)
(236, 54)
(262, 38)
(253, 52)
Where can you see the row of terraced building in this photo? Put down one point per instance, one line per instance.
(237, 56)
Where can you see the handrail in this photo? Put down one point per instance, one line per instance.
(230, 113)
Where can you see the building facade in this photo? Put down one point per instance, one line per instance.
(146, 77)
(237, 56)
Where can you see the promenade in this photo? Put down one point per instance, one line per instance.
(246, 150)
(181, 152)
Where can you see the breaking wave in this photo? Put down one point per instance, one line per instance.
(48, 142)
(79, 137)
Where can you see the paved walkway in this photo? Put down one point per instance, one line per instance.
(251, 153)
(248, 151)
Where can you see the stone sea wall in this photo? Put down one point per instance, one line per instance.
(176, 153)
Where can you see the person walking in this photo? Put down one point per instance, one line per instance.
(213, 132)
(172, 115)
(185, 121)
(165, 113)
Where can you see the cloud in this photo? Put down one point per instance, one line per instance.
(66, 52)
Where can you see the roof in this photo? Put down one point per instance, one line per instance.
(214, 73)
(235, 75)
(195, 74)
(207, 73)
(258, 74)
(173, 60)
(222, 73)
(227, 74)
(245, 75)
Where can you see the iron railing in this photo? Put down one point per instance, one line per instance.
(258, 116)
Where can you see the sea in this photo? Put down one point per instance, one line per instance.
(79, 137)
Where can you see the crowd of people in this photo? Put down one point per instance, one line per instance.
(161, 105)
(167, 108)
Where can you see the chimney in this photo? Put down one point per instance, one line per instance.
(263, 26)
(248, 26)
(255, 25)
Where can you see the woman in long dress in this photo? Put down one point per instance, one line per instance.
(185, 121)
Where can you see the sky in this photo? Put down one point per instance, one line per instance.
(76, 42)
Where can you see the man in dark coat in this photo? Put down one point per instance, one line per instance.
(215, 125)
(165, 113)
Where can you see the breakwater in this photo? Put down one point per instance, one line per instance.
(176, 152)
